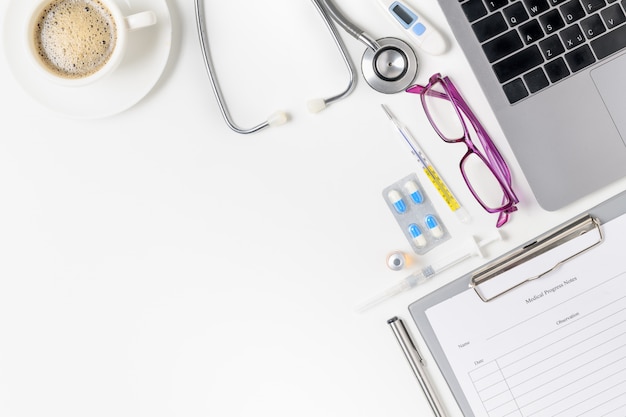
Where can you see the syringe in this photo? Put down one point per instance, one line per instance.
(472, 248)
(429, 170)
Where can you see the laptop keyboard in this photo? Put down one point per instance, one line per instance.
(532, 44)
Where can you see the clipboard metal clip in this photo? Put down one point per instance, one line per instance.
(538, 247)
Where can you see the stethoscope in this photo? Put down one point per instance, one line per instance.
(389, 65)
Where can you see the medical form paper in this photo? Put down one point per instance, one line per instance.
(553, 347)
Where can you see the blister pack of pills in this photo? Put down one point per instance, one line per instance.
(415, 214)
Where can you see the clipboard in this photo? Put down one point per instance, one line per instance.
(591, 222)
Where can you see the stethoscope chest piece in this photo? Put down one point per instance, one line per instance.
(391, 68)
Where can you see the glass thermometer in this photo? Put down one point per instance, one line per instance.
(430, 170)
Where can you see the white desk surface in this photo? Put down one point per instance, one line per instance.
(154, 263)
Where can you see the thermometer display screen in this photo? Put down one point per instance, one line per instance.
(402, 14)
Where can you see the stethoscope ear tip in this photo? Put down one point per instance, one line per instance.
(316, 105)
(277, 118)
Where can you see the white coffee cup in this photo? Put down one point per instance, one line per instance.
(77, 42)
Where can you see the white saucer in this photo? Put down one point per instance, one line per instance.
(143, 64)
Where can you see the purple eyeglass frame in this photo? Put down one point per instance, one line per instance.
(493, 159)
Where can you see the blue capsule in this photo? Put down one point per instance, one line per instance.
(416, 235)
(414, 192)
(396, 200)
(433, 226)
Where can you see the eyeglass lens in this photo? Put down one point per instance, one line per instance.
(483, 182)
(442, 113)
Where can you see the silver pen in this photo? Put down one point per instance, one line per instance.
(416, 362)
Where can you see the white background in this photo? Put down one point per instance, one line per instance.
(154, 263)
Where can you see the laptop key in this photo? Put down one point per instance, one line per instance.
(572, 11)
(551, 47)
(593, 5)
(474, 9)
(536, 7)
(496, 4)
(551, 21)
(502, 46)
(489, 27)
(536, 80)
(580, 58)
(515, 14)
(572, 37)
(515, 90)
(531, 32)
(518, 63)
(609, 43)
(613, 16)
(556, 70)
(592, 26)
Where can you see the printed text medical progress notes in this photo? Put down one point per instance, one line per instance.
(554, 347)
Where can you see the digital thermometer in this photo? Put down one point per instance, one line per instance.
(422, 32)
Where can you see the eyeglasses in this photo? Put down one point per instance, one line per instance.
(487, 175)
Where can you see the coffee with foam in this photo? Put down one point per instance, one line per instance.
(74, 38)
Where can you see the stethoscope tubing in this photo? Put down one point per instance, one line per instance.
(351, 28)
(221, 101)
(208, 63)
(342, 51)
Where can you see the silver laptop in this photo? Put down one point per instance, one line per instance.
(554, 72)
